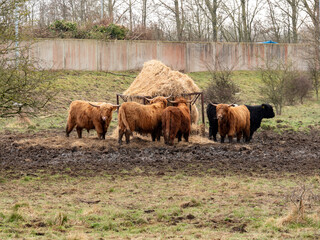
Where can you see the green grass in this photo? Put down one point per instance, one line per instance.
(54, 207)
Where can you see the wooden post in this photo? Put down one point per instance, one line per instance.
(202, 108)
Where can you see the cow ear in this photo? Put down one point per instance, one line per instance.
(114, 107)
(93, 105)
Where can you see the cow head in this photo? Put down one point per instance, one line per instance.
(159, 99)
(179, 100)
(105, 110)
(222, 111)
(267, 111)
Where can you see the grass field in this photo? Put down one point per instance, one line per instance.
(163, 207)
(170, 205)
(102, 86)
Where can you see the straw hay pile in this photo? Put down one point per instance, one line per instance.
(156, 79)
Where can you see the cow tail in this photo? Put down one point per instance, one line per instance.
(168, 126)
(123, 120)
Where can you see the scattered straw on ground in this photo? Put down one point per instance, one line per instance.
(92, 142)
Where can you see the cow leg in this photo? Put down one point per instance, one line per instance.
(222, 139)
(153, 135)
(186, 137)
(67, 131)
(104, 134)
(79, 131)
(214, 130)
(210, 133)
(239, 136)
(246, 138)
(99, 129)
(179, 135)
(127, 137)
(230, 138)
(215, 138)
(69, 128)
(121, 132)
(171, 141)
(159, 134)
(248, 135)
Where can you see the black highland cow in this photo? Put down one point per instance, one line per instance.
(213, 122)
(257, 113)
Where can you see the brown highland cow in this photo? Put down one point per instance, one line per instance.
(141, 118)
(176, 121)
(233, 121)
(87, 115)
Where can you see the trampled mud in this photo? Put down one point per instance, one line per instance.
(269, 154)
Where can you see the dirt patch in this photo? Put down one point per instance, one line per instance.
(269, 155)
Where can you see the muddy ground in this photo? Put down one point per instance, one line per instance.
(269, 155)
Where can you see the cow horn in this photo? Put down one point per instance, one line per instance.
(148, 99)
(93, 105)
(233, 105)
(213, 104)
(116, 105)
(189, 101)
(172, 101)
(168, 97)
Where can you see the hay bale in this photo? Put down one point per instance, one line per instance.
(156, 79)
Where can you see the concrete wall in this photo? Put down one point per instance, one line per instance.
(94, 55)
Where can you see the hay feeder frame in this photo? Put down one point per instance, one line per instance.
(195, 96)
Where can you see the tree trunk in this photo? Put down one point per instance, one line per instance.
(213, 13)
(178, 20)
(144, 13)
(294, 20)
(130, 14)
(110, 10)
(244, 21)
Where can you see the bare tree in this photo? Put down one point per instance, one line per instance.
(274, 32)
(210, 9)
(243, 16)
(312, 9)
(178, 11)
(23, 88)
(195, 24)
(290, 8)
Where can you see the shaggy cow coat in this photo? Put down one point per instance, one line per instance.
(87, 115)
(213, 121)
(176, 121)
(141, 118)
(257, 113)
(233, 121)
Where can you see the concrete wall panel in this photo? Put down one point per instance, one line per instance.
(189, 57)
(113, 56)
(172, 54)
(139, 53)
